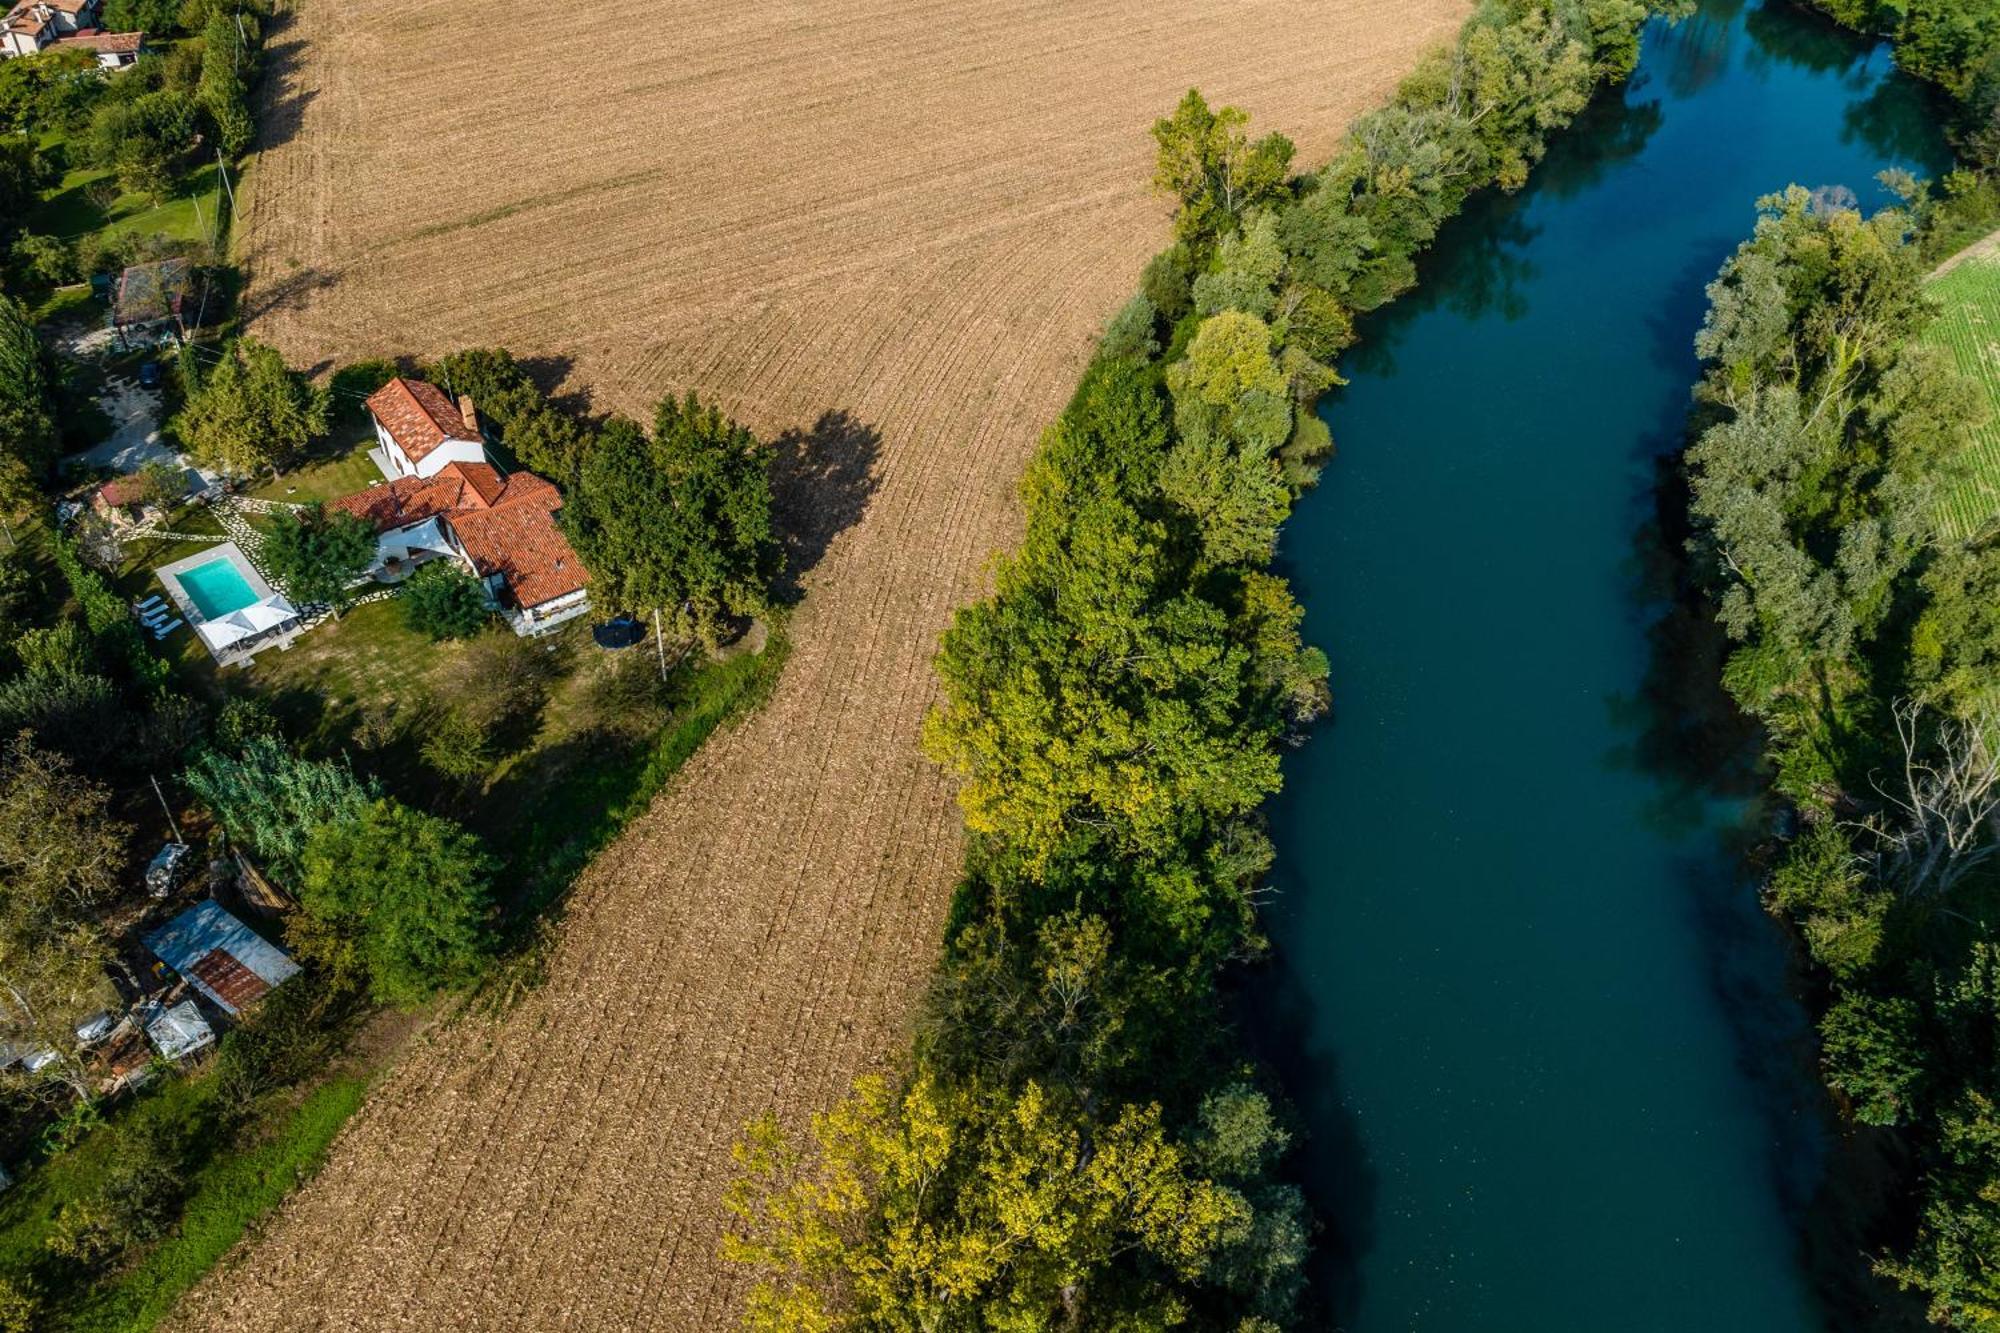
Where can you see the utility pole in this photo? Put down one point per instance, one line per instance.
(167, 809)
(223, 165)
(660, 643)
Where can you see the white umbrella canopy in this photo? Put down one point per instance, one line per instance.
(251, 620)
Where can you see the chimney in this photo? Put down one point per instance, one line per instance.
(465, 411)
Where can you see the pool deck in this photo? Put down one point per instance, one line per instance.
(239, 653)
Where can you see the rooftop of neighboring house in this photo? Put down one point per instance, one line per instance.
(115, 43)
(419, 417)
(31, 17)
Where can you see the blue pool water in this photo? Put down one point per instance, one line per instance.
(217, 588)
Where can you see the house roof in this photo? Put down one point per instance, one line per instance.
(117, 43)
(122, 491)
(147, 292)
(223, 958)
(25, 20)
(505, 524)
(408, 501)
(524, 546)
(418, 416)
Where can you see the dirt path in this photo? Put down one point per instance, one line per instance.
(890, 227)
(1983, 248)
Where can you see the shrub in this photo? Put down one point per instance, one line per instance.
(20, 1306)
(442, 601)
(398, 896)
(457, 746)
(44, 260)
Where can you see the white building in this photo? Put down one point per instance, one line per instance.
(35, 25)
(419, 430)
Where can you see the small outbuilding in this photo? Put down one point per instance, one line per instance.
(177, 1032)
(221, 957)
(153, 297)
(123, 502)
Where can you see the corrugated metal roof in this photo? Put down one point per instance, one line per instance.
(187, 942)
(236, 984)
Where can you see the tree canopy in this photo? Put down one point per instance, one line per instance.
(316, 553)
(442, 601)
(397, 895)
(679, 519)
(250, 413)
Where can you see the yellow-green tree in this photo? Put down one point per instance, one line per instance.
(940, 1208)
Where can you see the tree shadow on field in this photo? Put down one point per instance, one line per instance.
(285, 101)
(821, 483)
(261, 298)
(551, 371)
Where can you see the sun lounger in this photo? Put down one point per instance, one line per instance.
(152, 619)
(166, 629)
(148, 603)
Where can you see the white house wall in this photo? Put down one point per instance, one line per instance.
(451, 451)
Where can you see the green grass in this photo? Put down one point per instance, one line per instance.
(67, 305)
(326, 478)
(1969, 329)
(548, 821)
(70, 213)
(226, 1197)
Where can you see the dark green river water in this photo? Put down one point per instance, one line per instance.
(1538, 1028)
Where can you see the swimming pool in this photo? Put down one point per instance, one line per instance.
(216, 588)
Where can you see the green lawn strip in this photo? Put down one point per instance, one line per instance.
(227, 1196)
(66, 304)
(1969, 330)
(326, 478)
(68, 211)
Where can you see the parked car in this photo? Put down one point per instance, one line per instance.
(149, 375)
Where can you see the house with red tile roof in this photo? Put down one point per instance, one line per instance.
(502, 527)
(419, 430)
(33, 25)
(114, 50)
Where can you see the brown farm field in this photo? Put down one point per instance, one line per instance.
(883, 231)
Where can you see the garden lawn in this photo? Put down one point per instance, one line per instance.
(324, 478)
(1969, 329)
(69, 212)
(367, 658)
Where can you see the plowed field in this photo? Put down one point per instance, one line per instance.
(890, 228)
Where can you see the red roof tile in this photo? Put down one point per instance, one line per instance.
(506, 524)
(520, 541)
(118, 43)
(457, 487)
(418, 416)
(123, 491)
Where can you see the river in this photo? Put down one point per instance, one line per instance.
(1539, 1032)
